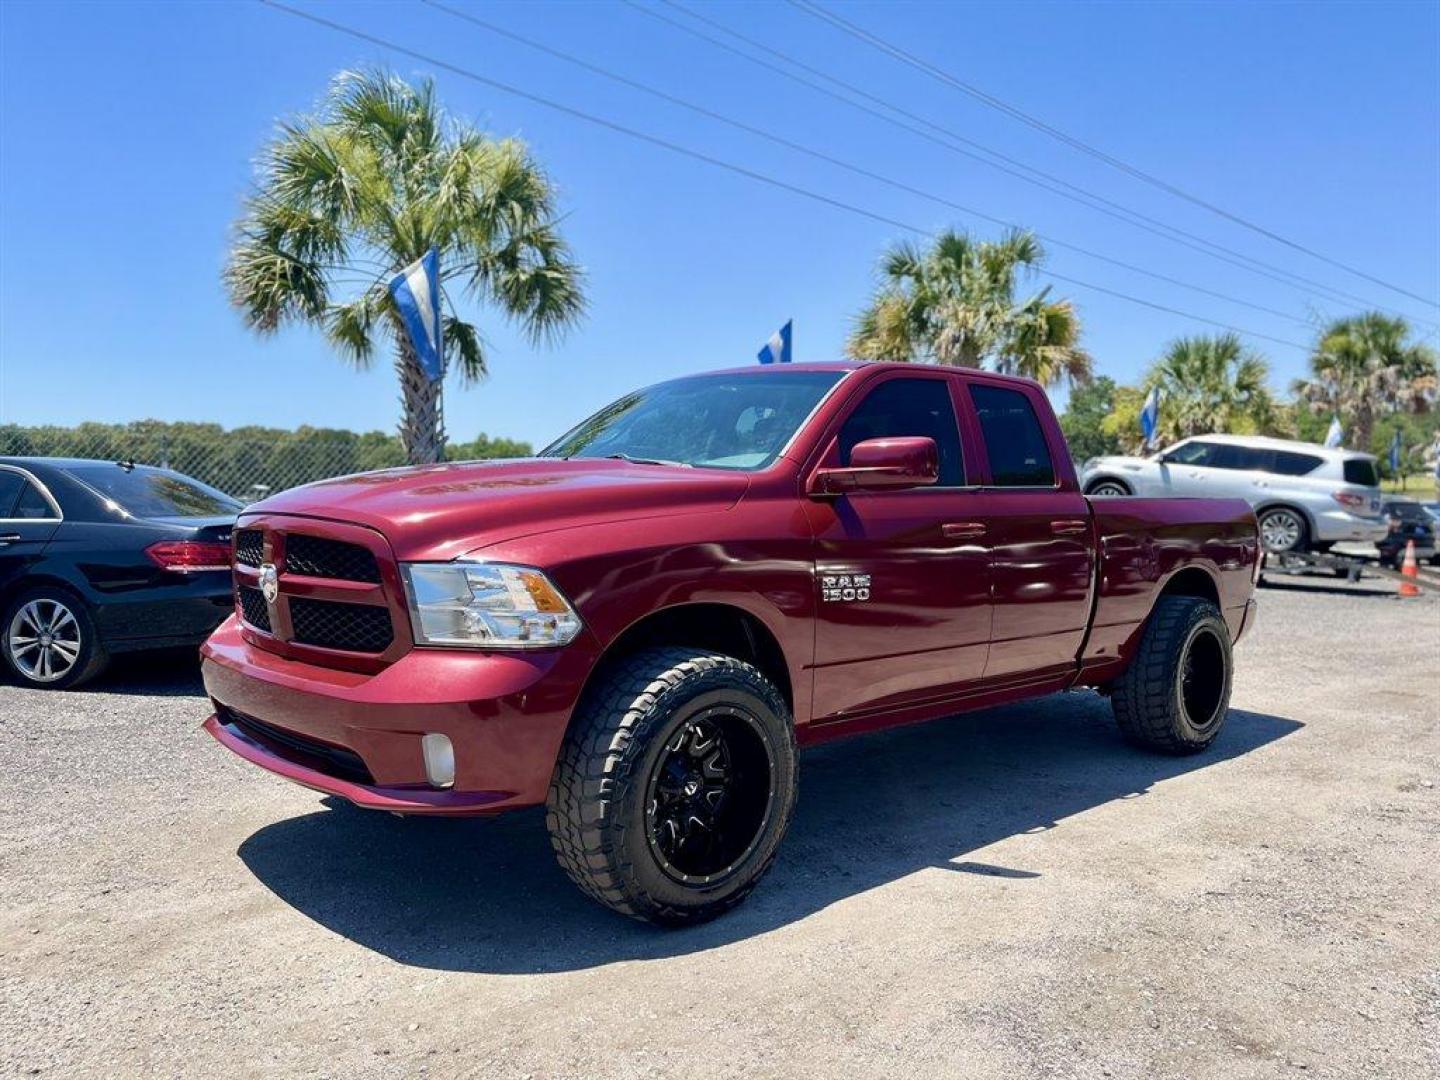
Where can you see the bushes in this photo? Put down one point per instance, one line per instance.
(247, 462)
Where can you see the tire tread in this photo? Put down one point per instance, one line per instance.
(594, 771)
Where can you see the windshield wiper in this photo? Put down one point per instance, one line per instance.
(648, 460)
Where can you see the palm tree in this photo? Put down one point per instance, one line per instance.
(954, 302)
(349, 197)
(1211, 383)
(1363, 366)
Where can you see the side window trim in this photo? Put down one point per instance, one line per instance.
(39, 485)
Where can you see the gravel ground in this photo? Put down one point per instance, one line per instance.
(1010, 893)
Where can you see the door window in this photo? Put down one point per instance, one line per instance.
(1290, 463)
(1192, 453)
(11, 484)
(1014, 440)
(1237, 458)
(32, 505)
(909, 407)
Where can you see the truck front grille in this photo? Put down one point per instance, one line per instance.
(332, 625)
(253, 608)
(316, 556)
(249, 547)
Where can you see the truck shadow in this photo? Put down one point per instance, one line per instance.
(487, 896)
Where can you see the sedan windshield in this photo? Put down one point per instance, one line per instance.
(717, 421)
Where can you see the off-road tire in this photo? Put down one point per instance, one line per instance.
(598, 804)
(92, 657)
(1149, 701)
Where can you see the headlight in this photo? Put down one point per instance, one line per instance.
(487, 605)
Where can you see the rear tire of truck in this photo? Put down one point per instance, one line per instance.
(675, 785)
(1176, 692)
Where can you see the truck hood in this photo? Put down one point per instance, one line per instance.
(438, 512)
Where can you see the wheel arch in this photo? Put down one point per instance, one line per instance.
(12, 589)
(1194, 581)
(725, 628)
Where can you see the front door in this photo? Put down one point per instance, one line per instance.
(902, 577)
(1189, 470)
(1041, 538)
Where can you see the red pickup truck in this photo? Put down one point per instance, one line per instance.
(638, 626)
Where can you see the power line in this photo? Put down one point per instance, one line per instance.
(740, 170)
(876, 42)
(820, 155)
(947, 138)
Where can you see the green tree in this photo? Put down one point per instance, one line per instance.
(954, 302)
(349, 197)
(1212, 383)
(1084, 418)
(1365, 367)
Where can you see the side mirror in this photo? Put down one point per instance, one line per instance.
(883, 465)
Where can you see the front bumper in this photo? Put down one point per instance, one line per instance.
(1341, 526)
(505, 714)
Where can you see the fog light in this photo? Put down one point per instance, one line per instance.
(439, 760)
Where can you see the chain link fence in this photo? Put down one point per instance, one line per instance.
(246, 462)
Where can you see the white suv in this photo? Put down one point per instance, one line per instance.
(1306, 496)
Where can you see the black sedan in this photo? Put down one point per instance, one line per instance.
(98, 558)
(1408, 522)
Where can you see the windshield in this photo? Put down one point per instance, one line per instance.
(717, 421)
(150, 493)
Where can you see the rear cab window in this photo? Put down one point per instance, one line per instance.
(909, 407)
(1014, 440)
(155, 493)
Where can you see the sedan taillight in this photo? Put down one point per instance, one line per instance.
(1350, 500)
(189, 556)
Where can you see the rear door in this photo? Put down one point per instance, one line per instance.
(903, 612)
(1039, 530)
(28, 519)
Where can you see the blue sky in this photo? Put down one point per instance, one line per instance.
(127, 133)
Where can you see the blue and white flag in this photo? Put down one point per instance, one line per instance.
(416, 291)
(1336, 435)
(1150, 415)
(1395, 453)
(777, 349)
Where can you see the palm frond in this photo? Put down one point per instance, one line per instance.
(352, 328)
(465, 349)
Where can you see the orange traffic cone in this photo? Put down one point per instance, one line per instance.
(1411, 570)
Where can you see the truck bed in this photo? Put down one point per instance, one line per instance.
(1196, 546)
